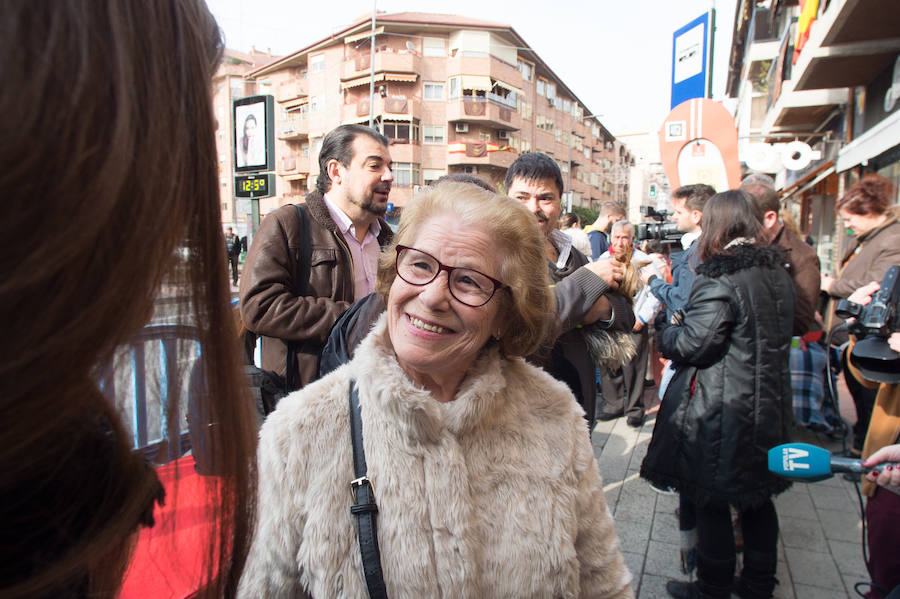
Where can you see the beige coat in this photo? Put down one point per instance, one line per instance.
(496, 494)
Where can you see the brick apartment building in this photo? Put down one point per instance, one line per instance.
(452, 94)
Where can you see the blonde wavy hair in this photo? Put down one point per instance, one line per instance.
(528, 305)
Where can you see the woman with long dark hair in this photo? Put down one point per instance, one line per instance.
(729, 401)
(100, 198)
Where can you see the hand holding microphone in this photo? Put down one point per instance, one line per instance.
(808, 463)
(881, 473)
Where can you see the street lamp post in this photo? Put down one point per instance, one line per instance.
(569, 173)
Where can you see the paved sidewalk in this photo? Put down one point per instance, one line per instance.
(819, 550)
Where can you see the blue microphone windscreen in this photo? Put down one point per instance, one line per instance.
(800, 461)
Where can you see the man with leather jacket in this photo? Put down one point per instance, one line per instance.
(294, 310)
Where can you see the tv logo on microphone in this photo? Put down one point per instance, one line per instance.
(789, 455)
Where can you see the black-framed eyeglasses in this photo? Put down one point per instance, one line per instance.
(468, 286)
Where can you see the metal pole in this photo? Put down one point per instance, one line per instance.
(712, 50)
(372, 68)
(569, 178)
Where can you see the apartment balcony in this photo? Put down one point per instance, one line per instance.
(292, 168)
(849, 44)
(499, 71)
(386, 64)
(402, 150)
(292, 129)
(479, 153)
(290, 91)
(393, 108)
(801, 110)
(484, 110)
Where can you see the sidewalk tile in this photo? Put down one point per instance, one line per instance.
(795, 505)
(804, 534)
(812, 568)
(785, 587)
(665, 527)
(663, 559)
(653, 587)
(849, 559)
(635, 563)
(803, 591)
(850, 580)
(636, 508)
(633, 535)
(831, 498)
(842, 525)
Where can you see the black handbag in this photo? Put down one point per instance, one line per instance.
(364, 508)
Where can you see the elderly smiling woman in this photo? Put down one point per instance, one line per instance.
(486, 484)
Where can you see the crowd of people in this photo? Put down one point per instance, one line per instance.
(447, 451)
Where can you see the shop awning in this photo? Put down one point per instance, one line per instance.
(829, 170)
(880, 138)
(400, 77)
(362, 81)
(509, 87)
(476, 82)
(809, 180)
(363, 36)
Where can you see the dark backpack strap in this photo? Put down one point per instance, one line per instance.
(364, 509)
(301, 288)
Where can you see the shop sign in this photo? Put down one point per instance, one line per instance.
(769, 158)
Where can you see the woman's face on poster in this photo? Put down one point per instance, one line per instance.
(250, 127)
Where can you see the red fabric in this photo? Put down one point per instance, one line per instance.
(883, 518)
(168, 561)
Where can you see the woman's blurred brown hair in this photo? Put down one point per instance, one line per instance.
(870, 196)
(108, 165)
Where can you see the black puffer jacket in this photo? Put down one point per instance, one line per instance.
(730, 400)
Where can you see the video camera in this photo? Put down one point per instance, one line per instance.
(873, 324)
(664, 231)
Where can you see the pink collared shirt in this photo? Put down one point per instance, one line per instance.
(364, 255)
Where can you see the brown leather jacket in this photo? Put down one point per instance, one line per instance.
(271, 303)
(803, 266)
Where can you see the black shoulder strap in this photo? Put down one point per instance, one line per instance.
(301, 287)
(305, 250)
(364, 508)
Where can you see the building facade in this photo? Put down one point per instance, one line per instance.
(818, 102)
(230, 83)
(451, 94)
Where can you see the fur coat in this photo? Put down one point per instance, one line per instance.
(495, 494)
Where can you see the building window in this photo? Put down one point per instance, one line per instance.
(401, 131)
(430, 175)
(566, 106)
(433, 134)
(454, 87)
(433, 91)
(526, 69)
(316, 104)
(525, 146)
(541, 87)
(543, 123)
(304, 150)
(525, 108)
(237, 88)
(317, 63)
(434, 46)
(405, 173)
(551, 91)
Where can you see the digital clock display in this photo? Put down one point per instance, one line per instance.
(252, 186)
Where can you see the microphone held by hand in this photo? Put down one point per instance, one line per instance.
(808, 463)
